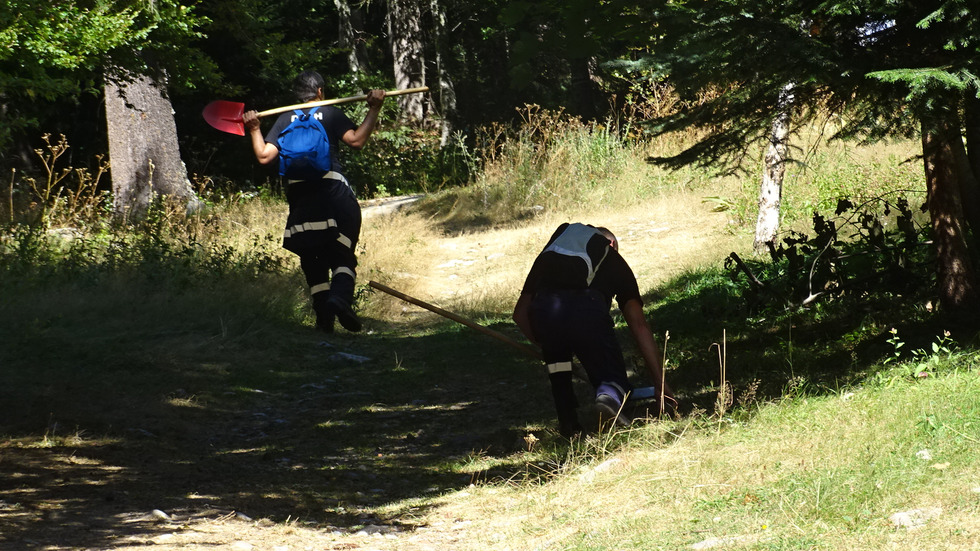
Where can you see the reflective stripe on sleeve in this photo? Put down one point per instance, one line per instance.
(344, 270)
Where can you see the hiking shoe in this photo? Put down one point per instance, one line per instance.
(570, 433)
(345, 314)
(609, 410)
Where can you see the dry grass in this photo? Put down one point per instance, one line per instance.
(484, 273)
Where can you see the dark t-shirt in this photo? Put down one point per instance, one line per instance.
(334, 121)
(613, 277)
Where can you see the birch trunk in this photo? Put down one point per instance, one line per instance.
(774, 169)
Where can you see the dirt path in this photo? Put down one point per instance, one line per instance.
(386, 205)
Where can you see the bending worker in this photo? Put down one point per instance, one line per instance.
(564, 308)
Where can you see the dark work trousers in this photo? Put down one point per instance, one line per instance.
(323, 227)
(577, 323)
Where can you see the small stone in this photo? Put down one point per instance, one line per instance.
(914, 518)
(350, 357)
(608, 465)
(371, 530)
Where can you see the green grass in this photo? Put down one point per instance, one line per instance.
(815, 472)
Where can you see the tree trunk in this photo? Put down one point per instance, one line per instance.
(405, 30)
(350, 23)
(955, 275)
(143, 152)
(446, 98)
(584, 89)
(972, 134)
(968, 161)
(969, 189)
(774, 169)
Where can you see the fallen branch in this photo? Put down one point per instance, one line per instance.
(745, 269)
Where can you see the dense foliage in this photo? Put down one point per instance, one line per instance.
(54, 57)
(245, 50)
(878, 68)
(875, 247)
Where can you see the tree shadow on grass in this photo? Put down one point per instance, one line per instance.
(772, 351)
(252, 417)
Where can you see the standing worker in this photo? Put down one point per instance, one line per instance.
(564, 308)
(324, 220)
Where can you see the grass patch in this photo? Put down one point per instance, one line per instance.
(800, 473)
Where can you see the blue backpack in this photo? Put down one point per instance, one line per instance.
(304, 149)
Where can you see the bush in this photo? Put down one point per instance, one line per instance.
(404, 161)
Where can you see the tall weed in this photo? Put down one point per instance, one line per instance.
(553, 162)
(61, 195)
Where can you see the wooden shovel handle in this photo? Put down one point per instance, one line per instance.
(336, 101)
(530, 351)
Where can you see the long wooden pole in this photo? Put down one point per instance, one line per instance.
(529, 350)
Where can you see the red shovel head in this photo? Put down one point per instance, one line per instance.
(226, 116)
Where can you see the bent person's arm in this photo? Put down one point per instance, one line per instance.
(640, 329)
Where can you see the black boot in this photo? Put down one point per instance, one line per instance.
(568, 425)
(324, 313)
(345, 314)
(565, 403)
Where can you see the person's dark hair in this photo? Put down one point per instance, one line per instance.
(306, 84)
(609, 235)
